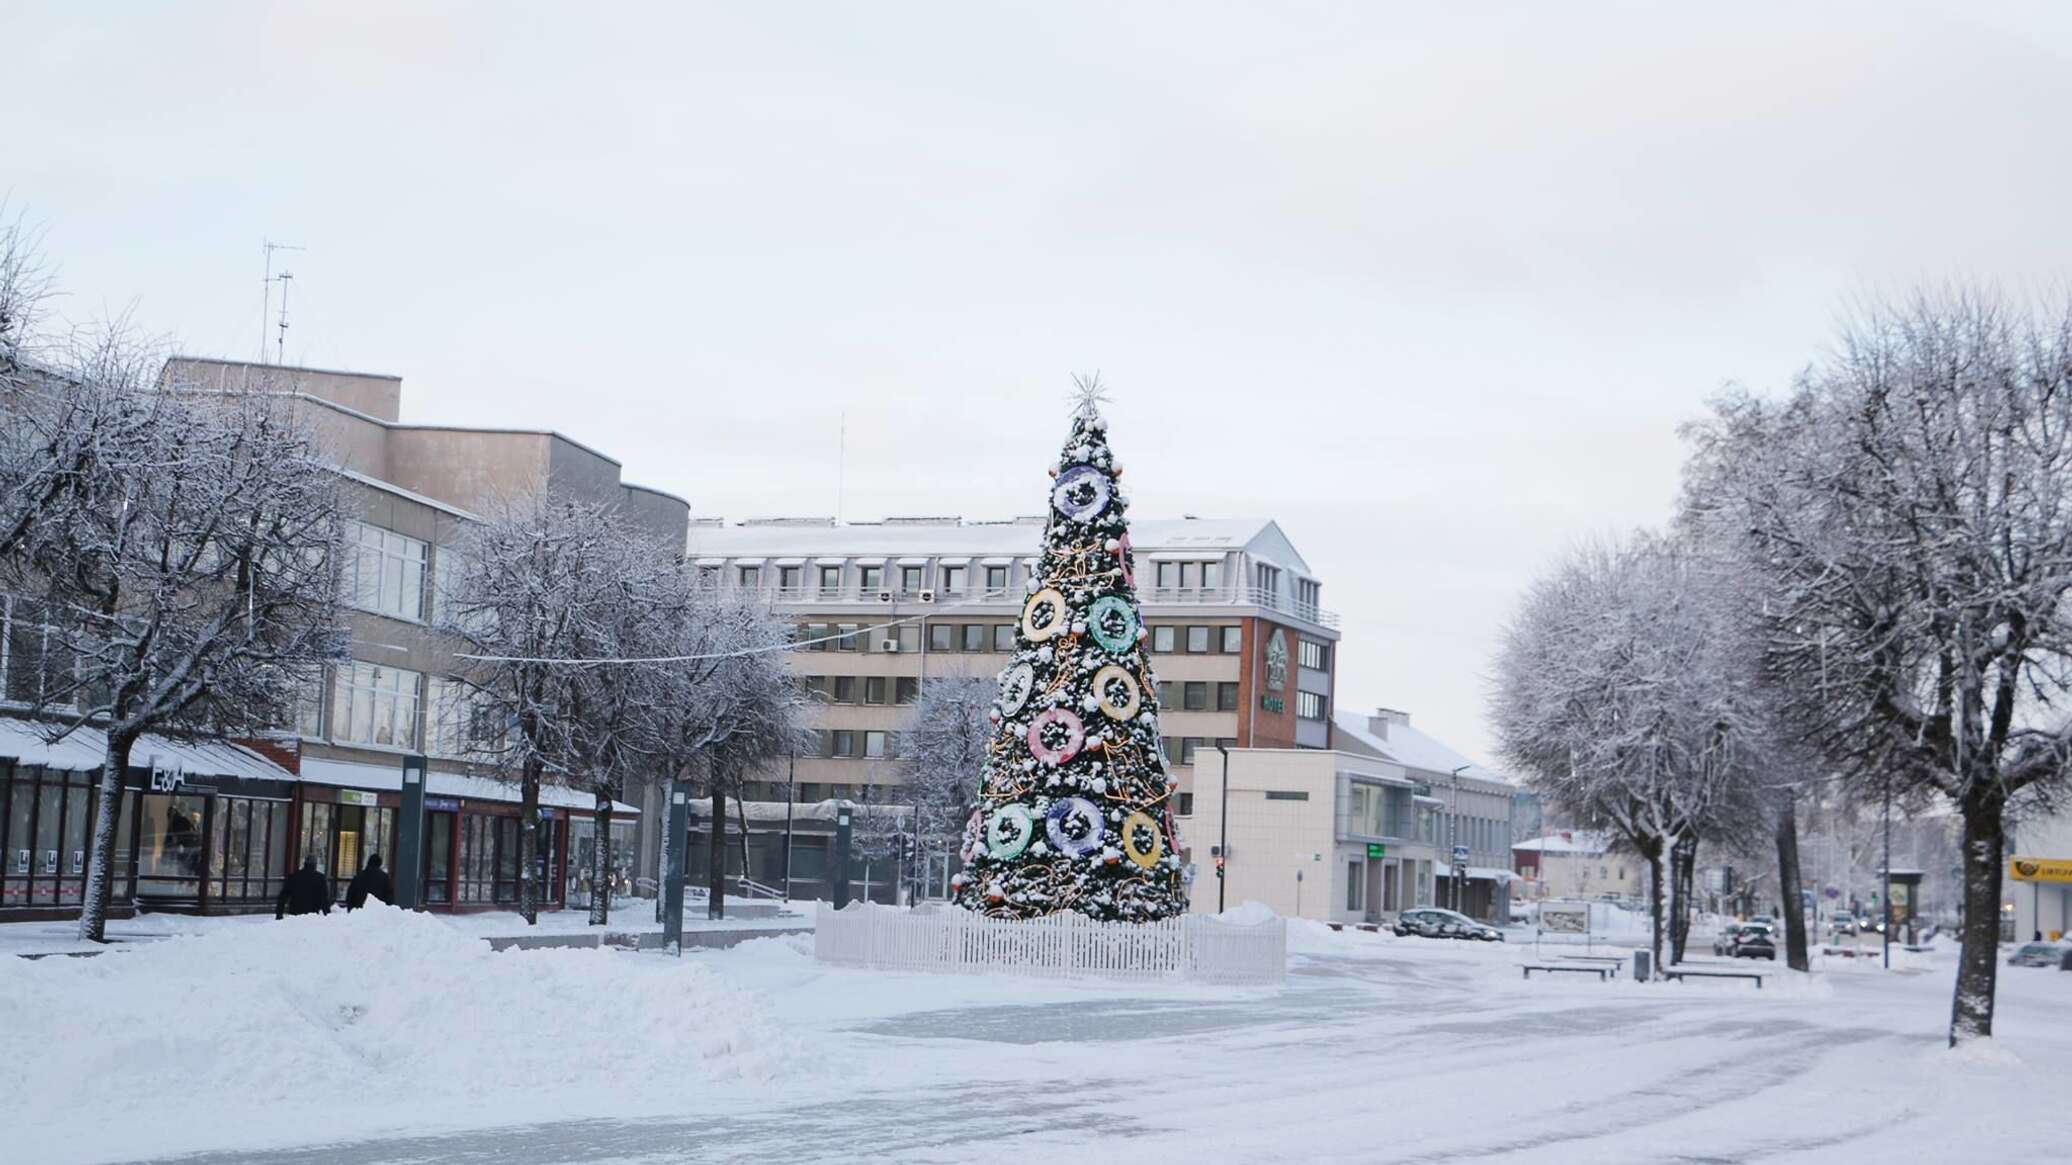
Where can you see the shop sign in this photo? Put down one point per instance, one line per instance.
(2041, 869)
(358, 797)
(442, 804)
(1273, 703)
(166, 779)
(1376, 849)
(1460, 855)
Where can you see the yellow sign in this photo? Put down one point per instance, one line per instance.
(2040, 869)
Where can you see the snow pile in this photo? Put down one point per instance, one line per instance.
(1248, 913)
(381, 1003)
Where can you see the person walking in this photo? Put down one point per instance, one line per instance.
(371, 881)
(306, 891)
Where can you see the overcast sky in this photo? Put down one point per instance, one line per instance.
(1431, 285)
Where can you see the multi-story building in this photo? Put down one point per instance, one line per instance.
(1243, 649)
(215, 826)
(1577, 863)
(1471, 808)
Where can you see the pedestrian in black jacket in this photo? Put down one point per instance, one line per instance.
(306, 891)
(372, 881)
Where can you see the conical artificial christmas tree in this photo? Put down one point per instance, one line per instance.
(1075, 803)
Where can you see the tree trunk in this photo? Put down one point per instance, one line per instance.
(716, 867)
(1985, 843)
(600, 863)
(528, 841)
(100, 869)
(741, 817)
(1683, 873)
(1788, 881)
(1653, 853)
(662, 854)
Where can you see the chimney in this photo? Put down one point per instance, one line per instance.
(1379, 723)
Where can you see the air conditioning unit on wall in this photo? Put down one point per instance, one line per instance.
(927, 596)
(884, 596)
(888, 645)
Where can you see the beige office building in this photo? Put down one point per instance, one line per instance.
(1244, 651)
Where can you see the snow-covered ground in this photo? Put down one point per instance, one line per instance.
(386, 1038)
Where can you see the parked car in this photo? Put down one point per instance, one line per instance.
(2039, 955)
(1723, 943)
(1845, 922)
(1750, 940)
(1431, 922)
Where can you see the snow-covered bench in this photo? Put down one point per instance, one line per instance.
(1601, 972)
(1685, 972)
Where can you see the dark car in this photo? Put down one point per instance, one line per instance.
(1431, 922)
(1753, 941)
(2039, 955)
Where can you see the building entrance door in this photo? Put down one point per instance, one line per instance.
(172, 860)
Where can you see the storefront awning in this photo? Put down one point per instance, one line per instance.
(1478, 874)
(83, 749)
(389, 778)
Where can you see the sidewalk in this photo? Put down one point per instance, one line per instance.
(632, 927)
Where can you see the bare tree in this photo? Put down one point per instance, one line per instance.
(186, 562)
(941, 749)
(1622, 695)
(1909, 508)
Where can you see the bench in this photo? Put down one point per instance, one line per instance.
(1682, 973)
(1601, 972)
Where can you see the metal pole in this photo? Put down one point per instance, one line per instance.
(1453, 839)
(1885, 875)
(1223, 828)
(791, 796)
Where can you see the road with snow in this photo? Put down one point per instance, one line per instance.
(1379, 1049)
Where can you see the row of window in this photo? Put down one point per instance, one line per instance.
(395, 707)
(851, 744)
(1181, 750)
(1166, 638)
(1195, 696)
(864, 689)
(828, 578)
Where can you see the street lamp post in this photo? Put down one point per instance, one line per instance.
(1223, 830)
(1453, 841)
(791, 796)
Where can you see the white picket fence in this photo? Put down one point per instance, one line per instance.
(1062, 946)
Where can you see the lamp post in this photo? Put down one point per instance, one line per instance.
(791, 796)
(1453, 840)
(1223, 830)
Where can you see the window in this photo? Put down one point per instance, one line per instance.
(1197, 640)
(1185, 808)
(874, 745)
(1165, 694)
(1195, 696)
(851, 637)
(1188, 746)
(1287, 794)
(708, 578)
(910, 579)
(1003, 637)
(870, 579)
(813, 636)
(974, 637)
(751, 577)
(1165, 574)
(373, 704)
(942, 637)
(1309, 705)
(1269, 584)
(1307, 592)
(906, 689)
(874, 690)
(813, 742)
(1233, 639)
(996, 578)
(788, 577)
(1315, 655)
(384, 571)
(845, 689)
(1226, 697)
(459, 721)
(909, 636)
(1355, 884)
(830, 580)
(953, 580)
(845, 742)
(1211, 576)
(1162, 638)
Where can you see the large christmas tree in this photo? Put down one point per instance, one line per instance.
(1075, 803)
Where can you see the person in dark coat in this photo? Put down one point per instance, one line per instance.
(306, 891)
(372, 881)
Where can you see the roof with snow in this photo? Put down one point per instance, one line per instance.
(1407, 746)
(1260, 537)
(1568, 841)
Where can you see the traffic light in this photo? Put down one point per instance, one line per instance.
(1219, 865)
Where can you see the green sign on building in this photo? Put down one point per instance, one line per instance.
(1377, 850)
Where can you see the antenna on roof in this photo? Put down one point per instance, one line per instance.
(266, 303)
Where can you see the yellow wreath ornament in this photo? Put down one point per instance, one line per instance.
(1137, 829)
(1128, 708)
(1058, 621)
